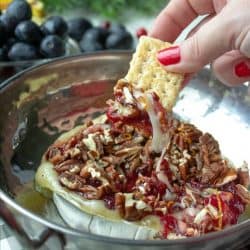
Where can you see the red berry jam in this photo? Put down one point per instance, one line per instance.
(169, 225)
(109, 201)
(141, 32)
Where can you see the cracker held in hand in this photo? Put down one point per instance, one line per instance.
(147, 73)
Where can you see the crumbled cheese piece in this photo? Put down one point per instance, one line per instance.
(122, 110)
(200, 216)
(163, 209)
(93, 172)
(75, 169)
(139, 204)
(208, 191)
(213, 211)
(182, 161)
(142, 188)
(106, 136)
(160, 174)
(90, 142)
(190, 193)
(186, 154)
(74, 152)
(128, 96)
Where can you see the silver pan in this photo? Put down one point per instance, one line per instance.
(40, 103)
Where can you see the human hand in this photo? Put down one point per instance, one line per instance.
(222, 38)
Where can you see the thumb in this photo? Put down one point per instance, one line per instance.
(218, 36)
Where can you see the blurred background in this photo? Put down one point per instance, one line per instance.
(34, 31)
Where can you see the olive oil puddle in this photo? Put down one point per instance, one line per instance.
(32, 200)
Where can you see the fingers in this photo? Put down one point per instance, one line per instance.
(227, 31)
(199, 25)
(232, 68)
(178, 14)
(218, 36)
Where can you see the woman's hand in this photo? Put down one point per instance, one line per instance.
(222, 38)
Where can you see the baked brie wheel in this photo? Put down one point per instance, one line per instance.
(136, 172)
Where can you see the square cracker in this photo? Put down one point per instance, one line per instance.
(147, 73)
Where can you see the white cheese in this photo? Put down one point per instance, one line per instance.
(213, 211)
(186, 154)
(139, 204)
(200, 216)
(160, 174)
(89, 142)
(142, 188)
(159, 139)
(107, 137)
(90, 167)
(94, 173)
(122, 110)
(128, 96)
(189, 192)
(145, 102)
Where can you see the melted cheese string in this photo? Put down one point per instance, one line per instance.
(159, 139)
(160, 174)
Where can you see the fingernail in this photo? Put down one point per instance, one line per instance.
(242, 70)
(169, 56)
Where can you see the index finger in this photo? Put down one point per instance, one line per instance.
(177, 15)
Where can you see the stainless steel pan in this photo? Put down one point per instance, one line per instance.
(42, 102)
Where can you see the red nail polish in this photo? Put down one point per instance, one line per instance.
(169, 56)
(242, 70)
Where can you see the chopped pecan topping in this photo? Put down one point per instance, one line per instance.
(70, 165)
(120, 203)
(71, 181)
(210, 151)
(54, 155)
(189, 184)
(133, 214)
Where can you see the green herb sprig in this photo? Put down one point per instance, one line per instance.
(112, 9)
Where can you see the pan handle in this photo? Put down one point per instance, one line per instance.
(40, 240)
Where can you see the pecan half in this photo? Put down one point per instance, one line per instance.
(132, 214)
(120, 203)
(71, 181)
(70, 165)
(54, 155)
(90, 192)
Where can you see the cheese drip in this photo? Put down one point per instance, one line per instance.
(159, 139)
(144, 101)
